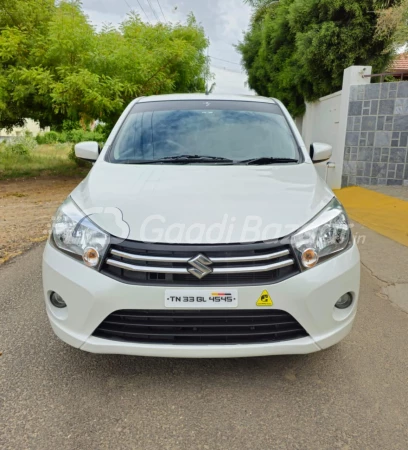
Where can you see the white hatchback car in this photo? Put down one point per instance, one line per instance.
(202, 230)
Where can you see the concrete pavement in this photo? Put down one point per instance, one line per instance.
(352, 396)
(400, 192)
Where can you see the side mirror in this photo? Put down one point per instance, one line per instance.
(320, 152)
(89, 151)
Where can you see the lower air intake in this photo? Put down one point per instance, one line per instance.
(200, 327)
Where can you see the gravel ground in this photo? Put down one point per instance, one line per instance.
(26, 209)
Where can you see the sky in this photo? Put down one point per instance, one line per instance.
(224, 22)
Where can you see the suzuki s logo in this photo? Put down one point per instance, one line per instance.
(200, 267)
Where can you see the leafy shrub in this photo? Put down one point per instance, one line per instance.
(21, 145)
(103, 130)
(77, 161)
(80, 135)
(51, 137)
(71, 154)
(18, 149)
(73, 136)
(62, 137)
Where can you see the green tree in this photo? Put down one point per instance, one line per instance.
(393, 23)
(22, 27)
(55, 67)
(296, 50)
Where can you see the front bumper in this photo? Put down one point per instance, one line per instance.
(309, 297)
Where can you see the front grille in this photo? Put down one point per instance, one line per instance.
(200, 327)
(230, 264)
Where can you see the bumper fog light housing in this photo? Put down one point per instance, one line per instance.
(344, 301)
(57, 301)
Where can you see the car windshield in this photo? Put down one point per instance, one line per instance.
(196, 131)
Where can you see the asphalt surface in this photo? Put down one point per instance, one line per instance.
(352, 396)
(400, 192)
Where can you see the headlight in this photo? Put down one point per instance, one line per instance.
(326, 235)
(73, 232)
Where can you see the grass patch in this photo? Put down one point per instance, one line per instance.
(43, 160)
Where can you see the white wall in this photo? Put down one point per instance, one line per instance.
(30, 125)
(326, 121)
(321, 124)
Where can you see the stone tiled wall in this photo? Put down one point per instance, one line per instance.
(377, 135)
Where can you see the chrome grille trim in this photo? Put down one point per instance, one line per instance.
(133, 268)
(254, 258)
(254, 269)
(216, 270)
(166, 259)
(163, 259)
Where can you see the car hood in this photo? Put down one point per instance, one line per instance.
(201, 203)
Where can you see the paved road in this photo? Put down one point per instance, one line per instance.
(352, 396)
(400, 192)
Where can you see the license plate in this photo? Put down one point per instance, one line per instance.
(215, 298)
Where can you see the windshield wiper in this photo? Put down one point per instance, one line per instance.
(181, 159)
(206, 158)
(268, 160)
(197, 158)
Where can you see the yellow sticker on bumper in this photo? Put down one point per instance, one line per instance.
(264, 299)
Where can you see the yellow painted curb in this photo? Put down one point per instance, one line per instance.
(384, 214)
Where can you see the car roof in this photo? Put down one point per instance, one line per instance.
(205, 97)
